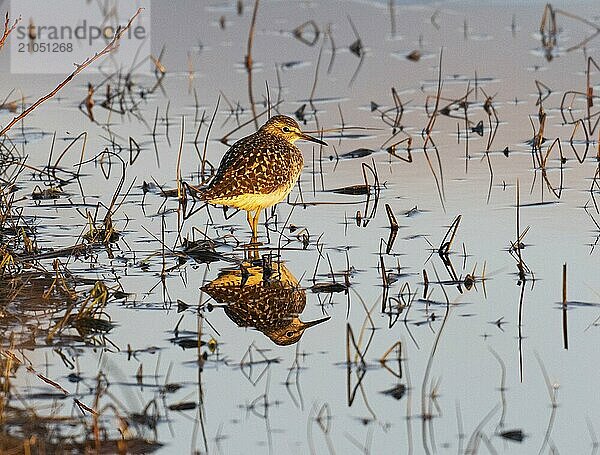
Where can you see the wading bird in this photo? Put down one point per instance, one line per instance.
(259, 170)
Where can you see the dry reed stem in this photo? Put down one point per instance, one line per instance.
(248, 61)
(564, 307)
(112, 45)
(7, 30)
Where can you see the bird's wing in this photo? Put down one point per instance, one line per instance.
(250, 166)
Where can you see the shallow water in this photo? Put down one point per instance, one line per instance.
(471, 364)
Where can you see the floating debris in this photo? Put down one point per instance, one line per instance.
(358, 153)
(396, 392)
(414, 56)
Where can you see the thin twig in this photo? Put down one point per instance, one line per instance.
(249, 62)
(7, 30)
(111, 46)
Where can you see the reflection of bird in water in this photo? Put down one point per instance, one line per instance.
(269, 300)
(260, 170)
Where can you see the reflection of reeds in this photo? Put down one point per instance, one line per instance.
(588, 97)
(426, 135)
(549, 30)
(579, 123)
(517, 246)
(357, 49)
(30, 428)
(32, 301)
(392, 8)
(552, 388)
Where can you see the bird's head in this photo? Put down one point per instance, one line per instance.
(288, 129)
(292, 332)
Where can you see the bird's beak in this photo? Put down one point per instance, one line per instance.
(312, 323)
(306, 137)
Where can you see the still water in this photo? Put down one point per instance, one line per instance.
(415, 347)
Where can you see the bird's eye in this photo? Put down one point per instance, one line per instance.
(289, 334)
(285, 129)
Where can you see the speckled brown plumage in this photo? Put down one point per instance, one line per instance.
(272, 306)
(259, 170)
(257, 164)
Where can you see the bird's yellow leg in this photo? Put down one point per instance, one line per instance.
(250, 220)
(252, 253)
(255, 220)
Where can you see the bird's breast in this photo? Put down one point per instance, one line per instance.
(254, 201)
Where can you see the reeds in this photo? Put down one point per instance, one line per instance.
(112, 45)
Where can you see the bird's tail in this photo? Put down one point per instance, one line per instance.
(197, 192)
